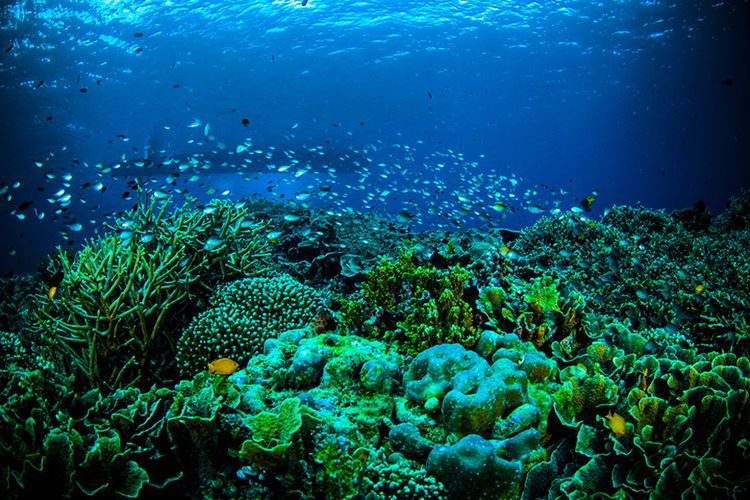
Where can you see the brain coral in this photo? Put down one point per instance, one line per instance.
(243, 315)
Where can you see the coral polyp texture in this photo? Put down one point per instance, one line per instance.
(241, 316)
(583, 359)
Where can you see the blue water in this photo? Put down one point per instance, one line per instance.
(442, 114)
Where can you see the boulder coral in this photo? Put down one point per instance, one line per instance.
(242, 315)
(471, 392)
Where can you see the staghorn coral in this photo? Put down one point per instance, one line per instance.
(122, 297)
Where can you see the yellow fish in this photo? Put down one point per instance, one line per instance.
(700, 288)
(616, 423)
(51, 293)
(223, 366)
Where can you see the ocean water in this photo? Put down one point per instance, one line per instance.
(440, 114)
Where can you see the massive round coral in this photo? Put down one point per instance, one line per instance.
(244, 314)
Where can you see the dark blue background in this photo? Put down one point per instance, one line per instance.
(632, 99)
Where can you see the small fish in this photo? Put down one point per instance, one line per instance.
(699, 288)
(616, 423)
(51, 292)
(212, 243)
(245, 122)
(404, 216)
(223, 366)
(535, 209)
(9, 48)
(728, 82)
(587, 202)
(273, 236)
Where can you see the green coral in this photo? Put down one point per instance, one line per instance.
(416, 306)
(472, 468)
(107, 469)
(543, 295)
(272, 434)
(471, 394)
(339, 475)
(242, 316)
(654, 269)
(400, 478)
(582, 393)
(123, 296)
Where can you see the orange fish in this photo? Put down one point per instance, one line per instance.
(51, 293)
(223, 366)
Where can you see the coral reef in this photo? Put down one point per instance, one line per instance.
(415, 305)
(577, 359)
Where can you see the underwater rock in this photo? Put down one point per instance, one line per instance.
(378, 376)
(474, 412)
(349, 356)
(307, 366)
(471, 468)
(537, 366)
(439, 369)
(522, 418)
(472, 392)
(405, 438)
(487, 343)
(519, 447)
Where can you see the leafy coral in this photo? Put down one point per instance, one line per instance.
(416, 306)
(596, 367)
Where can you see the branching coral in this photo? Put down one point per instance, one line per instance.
(123, 296)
